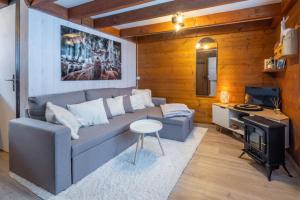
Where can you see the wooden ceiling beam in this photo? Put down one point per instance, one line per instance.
(3, 3)
(160, 10)
(50, 7)
(209, 31)
(218, 19)
(110, 31)
(102, 6)
(35, 3)
(287, 6)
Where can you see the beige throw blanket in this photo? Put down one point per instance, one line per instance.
(175, 110)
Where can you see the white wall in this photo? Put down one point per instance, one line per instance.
(44, 58)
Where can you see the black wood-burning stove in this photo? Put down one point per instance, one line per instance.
(264, 142)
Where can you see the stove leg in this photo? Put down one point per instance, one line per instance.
(287, 171)
(269, 172)
(217, 128)
(242, 154)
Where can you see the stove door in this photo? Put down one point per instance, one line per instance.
(255, 139)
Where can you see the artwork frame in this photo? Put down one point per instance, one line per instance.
(281, 64)
(85, 56)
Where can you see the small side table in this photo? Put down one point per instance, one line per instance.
(143, 127)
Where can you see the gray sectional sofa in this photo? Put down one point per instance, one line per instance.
(44, 154)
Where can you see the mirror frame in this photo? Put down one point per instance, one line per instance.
(217, 70)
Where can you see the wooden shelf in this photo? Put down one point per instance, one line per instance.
(236, 120)
(238, 131)
(273, 70)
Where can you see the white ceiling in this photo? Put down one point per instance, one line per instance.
(200, 12)
(144, 5)
(71, 3)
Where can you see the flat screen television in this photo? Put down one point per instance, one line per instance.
(262, 96)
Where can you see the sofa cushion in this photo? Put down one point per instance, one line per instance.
(127, 104)
(95, 135)
(37, 105)
(116, 105)
(89, 137)
(125, 91)
(108, 113)
(147, 96)
(89, 113)
(59, 115)
(107, 93)
(137, 102)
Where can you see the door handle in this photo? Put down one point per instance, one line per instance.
(13, 80)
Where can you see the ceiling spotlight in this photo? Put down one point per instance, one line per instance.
(180, 18)
(178, 21)
(177, 27)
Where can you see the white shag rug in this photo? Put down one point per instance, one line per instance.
(152, 178)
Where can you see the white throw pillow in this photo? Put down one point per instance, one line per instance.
(59, 115)
(137, 101)
(147, 97)
(89, 113)
(116, 106)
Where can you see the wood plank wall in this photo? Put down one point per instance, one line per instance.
(289, 82)
(167, 67)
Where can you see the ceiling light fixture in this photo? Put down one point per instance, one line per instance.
(206, 46)
(177, 27)
(178, 21)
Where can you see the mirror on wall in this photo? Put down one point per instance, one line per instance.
(206, 67)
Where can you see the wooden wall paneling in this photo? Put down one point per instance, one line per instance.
(289, 82)
(168, 67)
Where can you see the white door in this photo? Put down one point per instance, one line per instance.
(7, 71)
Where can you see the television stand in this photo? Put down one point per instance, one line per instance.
(226, 116)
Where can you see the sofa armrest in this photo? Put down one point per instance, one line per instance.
(41, 153)
(159, 101)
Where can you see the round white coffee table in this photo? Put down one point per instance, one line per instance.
(143, 127)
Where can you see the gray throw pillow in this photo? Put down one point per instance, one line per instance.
(127, 104)
(108, 113)
(38, 114)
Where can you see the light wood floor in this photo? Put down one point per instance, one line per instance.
(214, 173)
